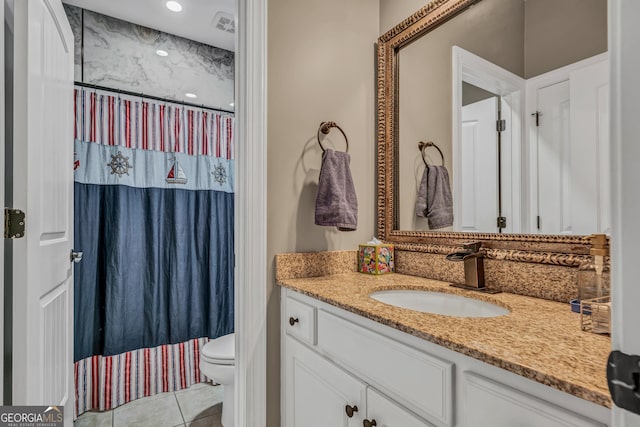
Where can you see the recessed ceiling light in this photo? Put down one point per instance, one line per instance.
(174, 6)
(231, 104)
(161, 52)
(190, 95)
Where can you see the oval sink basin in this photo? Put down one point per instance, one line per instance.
(439, 303)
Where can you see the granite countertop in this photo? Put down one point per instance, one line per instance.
(539, 339)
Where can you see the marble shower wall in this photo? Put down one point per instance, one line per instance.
(122, 55)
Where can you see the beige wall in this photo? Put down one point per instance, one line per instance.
(392, 12)
(321, 64)
(492, 29)
(471, 94)
(559, 33)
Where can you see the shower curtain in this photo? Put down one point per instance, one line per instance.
(154, 219)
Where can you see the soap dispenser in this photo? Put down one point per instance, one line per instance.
(594, 275)
(594, 286)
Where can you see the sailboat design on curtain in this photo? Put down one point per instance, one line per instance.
(176, 174)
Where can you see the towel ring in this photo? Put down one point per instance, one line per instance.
(325, 127)
(422, 146)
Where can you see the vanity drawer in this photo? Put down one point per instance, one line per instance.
(421, 382)
(300, 320)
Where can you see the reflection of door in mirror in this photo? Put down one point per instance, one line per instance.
(478, 175)
(570, 149)
(487, 200)
(567, 187)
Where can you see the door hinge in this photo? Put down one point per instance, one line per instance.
(537, 115)
(502, 222)
(538, 222)
(623, 377)
(13, 223)
(501, 125)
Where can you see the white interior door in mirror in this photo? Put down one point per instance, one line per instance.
(570, 185)
(590, 178)
(476, 204)
(554, 160)
(499, 155)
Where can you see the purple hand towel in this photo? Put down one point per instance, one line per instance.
(336, 202)
(439, 211)
(421, 198)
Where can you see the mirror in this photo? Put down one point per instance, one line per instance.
(508, 98)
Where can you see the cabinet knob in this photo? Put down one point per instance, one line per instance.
(351, 410)
(293, 321)
(367, 423)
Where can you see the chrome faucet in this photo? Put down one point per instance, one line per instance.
(473, 258)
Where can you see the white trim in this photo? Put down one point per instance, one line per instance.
(481, 73)
(625, 152)
(532, 86)
(250, 208)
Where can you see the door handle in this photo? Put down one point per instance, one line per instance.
(75, 257)
(367, 423)
(293, 321)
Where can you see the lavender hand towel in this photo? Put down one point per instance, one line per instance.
(336, 202)
(439, 200)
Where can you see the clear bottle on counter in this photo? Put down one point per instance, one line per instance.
(594, 287)
(594, 276)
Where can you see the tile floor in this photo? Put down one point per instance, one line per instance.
(197, 406)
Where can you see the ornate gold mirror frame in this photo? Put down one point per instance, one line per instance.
(546, 249)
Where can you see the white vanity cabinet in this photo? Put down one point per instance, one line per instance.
(333, 360)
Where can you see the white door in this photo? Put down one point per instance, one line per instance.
(2, 172)
(318, 392)
(476, 205)
(625, 153)
(554, 159)
(590, 169)
(43, 188)
(386, 413)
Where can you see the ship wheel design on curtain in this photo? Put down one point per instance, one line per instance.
(119, 165)
(219, 174)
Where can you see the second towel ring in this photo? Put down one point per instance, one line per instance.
(422, 146)
(325, 127)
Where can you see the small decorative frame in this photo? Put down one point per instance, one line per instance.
(536, 248)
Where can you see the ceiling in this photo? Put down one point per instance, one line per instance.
(195, 21)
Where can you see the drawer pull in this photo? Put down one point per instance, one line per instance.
(293, 321)
(367, 423)
(351, 410)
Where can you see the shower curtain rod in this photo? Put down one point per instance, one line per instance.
(155, 98)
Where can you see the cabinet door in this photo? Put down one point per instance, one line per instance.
(420, 381)
(488, 403)
(318, 392)
(388, 414)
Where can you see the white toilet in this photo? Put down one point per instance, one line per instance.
(217, 362)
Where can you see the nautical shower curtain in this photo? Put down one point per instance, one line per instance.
(154, 219)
